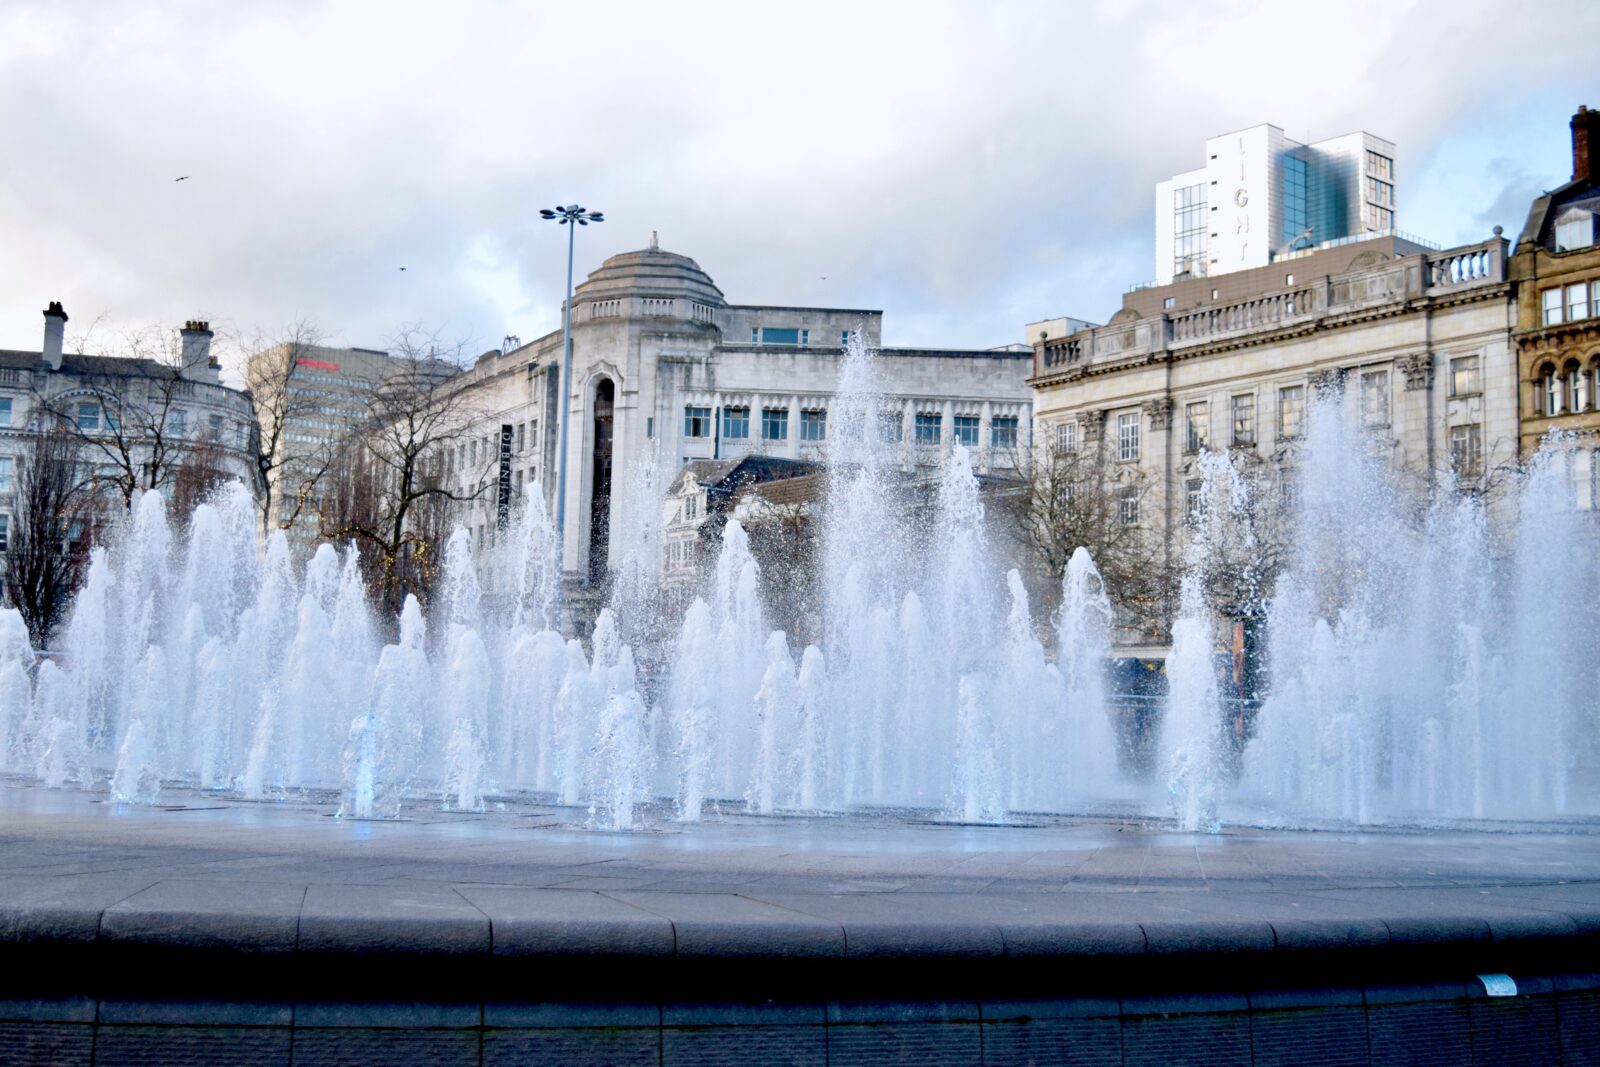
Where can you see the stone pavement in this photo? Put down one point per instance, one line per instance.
(211, 914)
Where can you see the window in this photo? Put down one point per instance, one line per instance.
(1193, 499)
(1244, 419)
(844, 338)
(214, 428)
(1288, 279)
(1466, 451)
(1575, 231)
(1169, 302)
(180, 423)
(1291, 411)
(1189, 230)
(1552, 392)
(1375, 398)
(1196, 428)
(1577, 301)
(1380, 192)
(775, 335)
(1379, 218)
(1577, 388)
(814, 425)
(891, 427)
(805, 337)
(1294, 200)
(1464, 376)
(1288, 492)
(755, 335)
(1003, 432)
(966, 430)
(696, 422)
(5, 411)
(774, 424)
(688, 507)
(736, 423)
(1067, 437)
(1128, 506)
(1128, 436)
(927, 427)
(522, 439)
(6, 466)
(1380, 166)
(1552, 306)
(5, 532)
(88, 418)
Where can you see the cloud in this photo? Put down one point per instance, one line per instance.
(964, 167)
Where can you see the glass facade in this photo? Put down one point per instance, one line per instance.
(1189, 230)
(1295, 219)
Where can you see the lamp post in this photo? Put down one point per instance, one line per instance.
(573, 216)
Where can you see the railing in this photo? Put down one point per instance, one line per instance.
(1268, 310)
(657, 306)
(602, 309)
(1061, 352)
(1484, 263)
(703, 313)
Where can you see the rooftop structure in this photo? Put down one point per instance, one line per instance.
(1261, 195)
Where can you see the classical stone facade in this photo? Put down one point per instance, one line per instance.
(137, 420)
(1415, 346)
(1556, 269)
(663, 363)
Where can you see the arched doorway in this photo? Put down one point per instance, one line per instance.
(600, 495)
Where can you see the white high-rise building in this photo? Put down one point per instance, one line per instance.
(1261, 194)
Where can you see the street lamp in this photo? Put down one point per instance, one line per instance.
(566, 215)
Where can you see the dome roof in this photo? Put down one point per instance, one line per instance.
(649, 272)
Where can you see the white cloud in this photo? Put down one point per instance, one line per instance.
(965, 167)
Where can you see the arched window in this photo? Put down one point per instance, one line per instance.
(1551, 390)
(1577, 387)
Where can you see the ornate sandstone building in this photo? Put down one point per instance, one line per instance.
(664, 364)
(1557, 271)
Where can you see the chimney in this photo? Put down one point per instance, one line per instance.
(1585, 126)
(55, 326)
(196, 348)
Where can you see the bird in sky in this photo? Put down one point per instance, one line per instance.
(182, 179)
(402, 268)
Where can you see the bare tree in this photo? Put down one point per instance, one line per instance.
(392, 485)
(1067, 499)
(291, 470)
(50, 530)
(199, 474)
(123, 414)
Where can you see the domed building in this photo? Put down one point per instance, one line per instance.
(662, 363)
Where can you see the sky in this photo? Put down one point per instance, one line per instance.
(965, 167)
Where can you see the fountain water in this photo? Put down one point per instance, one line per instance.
(1395, 690)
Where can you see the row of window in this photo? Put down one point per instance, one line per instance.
(927, 426)
(784, 335)
(1374, 408)
(1569, 303)
(1571, 390)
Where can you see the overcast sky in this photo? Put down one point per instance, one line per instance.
(965, 167)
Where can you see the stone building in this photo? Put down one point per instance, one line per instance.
(138, 421)
(1556, 268)
(308, 398)
(1416, 344)
(664, 364)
